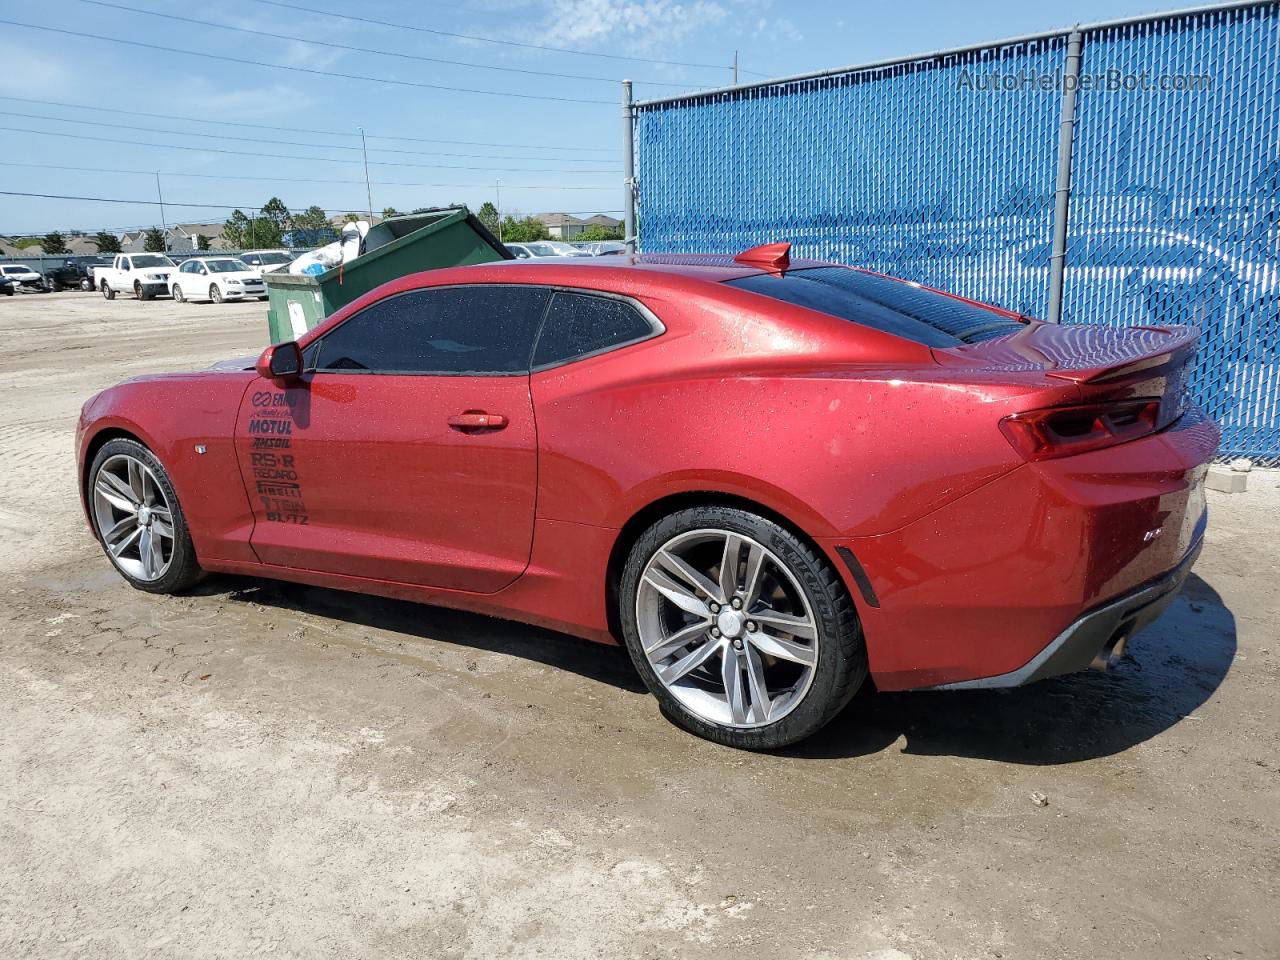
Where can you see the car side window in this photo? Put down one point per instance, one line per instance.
(579, 324)
(480, 329)
(124, 264)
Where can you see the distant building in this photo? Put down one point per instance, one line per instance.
(133, 241)
(565, 226)
(185, 237)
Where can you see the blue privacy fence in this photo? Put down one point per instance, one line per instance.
(1120, 173)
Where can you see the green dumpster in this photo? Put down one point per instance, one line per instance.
(394, 248)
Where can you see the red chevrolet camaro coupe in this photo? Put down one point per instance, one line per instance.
(767, 478)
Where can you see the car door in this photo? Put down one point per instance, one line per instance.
(408, 453)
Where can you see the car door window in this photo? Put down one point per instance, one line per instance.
(581, 324)
(444, 330)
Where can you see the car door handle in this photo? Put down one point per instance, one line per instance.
(473, 420)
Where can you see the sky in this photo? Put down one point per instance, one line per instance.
(537, 129)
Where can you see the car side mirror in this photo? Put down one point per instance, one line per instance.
(280, 361)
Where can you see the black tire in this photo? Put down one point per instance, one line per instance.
(214, 293)
(842, 659)
(86, 285)
(184, 570)
(107, 292)
(139, 292)
(177, 293)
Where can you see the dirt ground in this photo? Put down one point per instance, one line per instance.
(271, 769)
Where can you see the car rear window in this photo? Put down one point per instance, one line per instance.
(891, 306)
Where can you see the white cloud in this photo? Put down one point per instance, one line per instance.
(33, 73)
(644, 25)
(779, 28)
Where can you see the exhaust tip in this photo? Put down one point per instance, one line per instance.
(1112, 650)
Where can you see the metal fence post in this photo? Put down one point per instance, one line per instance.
(628, 170)
(1062, 195)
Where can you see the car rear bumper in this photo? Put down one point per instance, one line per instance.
(984, 585)
(1098, 638)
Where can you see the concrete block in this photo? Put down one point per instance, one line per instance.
(1226, 480)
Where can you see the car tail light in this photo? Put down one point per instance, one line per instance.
(1063, 431)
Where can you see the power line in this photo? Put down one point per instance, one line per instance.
(228, 176)
(280, 129)
(328, 146)
(286, 156)
(296, 69)
(371, 50)
(506, 43)
(206, 206)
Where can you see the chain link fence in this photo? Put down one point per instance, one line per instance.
(945, 168)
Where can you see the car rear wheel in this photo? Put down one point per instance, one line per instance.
(744, 633)
(138, 520)
(107, 292)
(214, 293)
(177, 293)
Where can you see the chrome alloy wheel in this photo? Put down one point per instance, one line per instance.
(133, 517)
(727, 628)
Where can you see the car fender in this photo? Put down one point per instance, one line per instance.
(188, 422)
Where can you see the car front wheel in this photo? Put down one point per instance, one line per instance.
(107, 292)
(742, 631)
(214, 293)
(138, 520)
(177, 293)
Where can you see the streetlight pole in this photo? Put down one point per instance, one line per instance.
(368, 188)
(497, 186)
(163, 226)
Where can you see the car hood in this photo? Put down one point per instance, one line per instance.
(235, 363)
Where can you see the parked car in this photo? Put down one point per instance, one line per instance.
(542, 248)
(146, 274)
(563, 249)
(216, 279)
(267, 261)
(768, 479)
(526, 251)
(606, 248)
(6, 286)
(74, 274)
(23, 277)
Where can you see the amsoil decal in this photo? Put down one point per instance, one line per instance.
(273, 469)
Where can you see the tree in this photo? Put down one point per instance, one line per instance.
(389, 212)
(53, 242)
(312, 218)
(106, 242)
(523, 231)
(488, 215)
(597, 232)
(236, 230)
(154, 242)
(203, 242)
(277, 214)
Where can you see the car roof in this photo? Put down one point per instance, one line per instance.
(711, 267)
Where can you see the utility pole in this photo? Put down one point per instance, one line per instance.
(628, 170)
(368, 188)
(735, 68)
(163, 226)
(497, 187)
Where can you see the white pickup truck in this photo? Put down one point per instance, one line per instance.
(145, 274)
